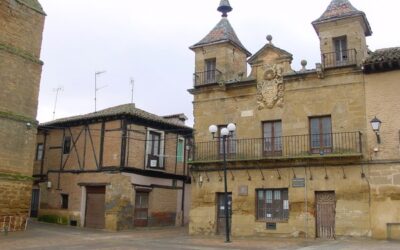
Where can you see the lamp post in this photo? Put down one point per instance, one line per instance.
(225, 133)
(376, 126)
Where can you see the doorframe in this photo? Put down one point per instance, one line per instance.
(38, 206)
(148, 207)
(217, 212)
(84, 200)
(316, 211)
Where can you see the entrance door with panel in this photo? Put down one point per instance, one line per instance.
(95, 207)
(221, 223)
(325, 217)
(141, 209)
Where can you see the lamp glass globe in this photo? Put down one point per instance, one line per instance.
(213, 129)
(224, 132)
(231, 127)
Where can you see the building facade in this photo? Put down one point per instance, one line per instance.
(114, 169)
(304, 160)
(21, 23)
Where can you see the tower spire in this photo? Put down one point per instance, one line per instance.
(224, 8)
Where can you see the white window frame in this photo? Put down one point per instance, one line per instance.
(161, 155)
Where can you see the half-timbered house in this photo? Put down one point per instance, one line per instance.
(115, 169)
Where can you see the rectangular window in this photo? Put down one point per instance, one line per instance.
(67, 145)
(272, 204)
(210, 69)
(321, 134)
(180, 150)
(64, 201)
(340, 44)
(39, 151)
(272, 138)
(154, 156)
(230, 146)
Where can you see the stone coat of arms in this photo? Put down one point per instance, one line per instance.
(270, 89)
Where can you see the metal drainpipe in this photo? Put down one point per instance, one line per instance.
(306, 201)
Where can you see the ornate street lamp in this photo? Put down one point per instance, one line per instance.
(376, 126)
(224, 134)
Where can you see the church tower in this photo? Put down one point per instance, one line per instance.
(21, 23)
(342, 30)
(220, 56)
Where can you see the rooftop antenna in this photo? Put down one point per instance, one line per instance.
(57, 90)
(97, 73)
(132, 83)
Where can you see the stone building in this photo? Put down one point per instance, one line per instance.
(21, 23)
(304, 160)
(117, 168)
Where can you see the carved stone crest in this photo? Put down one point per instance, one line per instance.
(270, 89)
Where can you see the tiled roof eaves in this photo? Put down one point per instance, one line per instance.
(199, 45)
(383, 55)
(368, 32)
(146, 118)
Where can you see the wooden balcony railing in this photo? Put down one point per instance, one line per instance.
(297, 146)
(206, 77)
(340, 58)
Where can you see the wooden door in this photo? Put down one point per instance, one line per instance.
(141, 209)
(35, 203)
(221, 223)
(95, 207)
(325, 218)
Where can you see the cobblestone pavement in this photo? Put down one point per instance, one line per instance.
(46, 236)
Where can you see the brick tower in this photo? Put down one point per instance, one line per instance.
(21, 23)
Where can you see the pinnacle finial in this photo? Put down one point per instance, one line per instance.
(269, 39)
(224, 8)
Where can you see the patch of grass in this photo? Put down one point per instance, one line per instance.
(50, 218)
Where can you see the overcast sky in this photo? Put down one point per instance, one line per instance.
(149, 39)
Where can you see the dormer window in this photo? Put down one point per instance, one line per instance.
(340, 44)
(210, 69)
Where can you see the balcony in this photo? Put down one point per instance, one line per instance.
(286, 147)
(340, 58)
(206, 77)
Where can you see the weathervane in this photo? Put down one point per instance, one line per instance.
(224, 8)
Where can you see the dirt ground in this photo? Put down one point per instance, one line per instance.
(47, 236)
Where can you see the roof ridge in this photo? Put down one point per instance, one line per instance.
(129, 109)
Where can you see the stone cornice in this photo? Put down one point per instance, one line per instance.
(15, 177)
(38, 9)
(18, 52)
(17, 117)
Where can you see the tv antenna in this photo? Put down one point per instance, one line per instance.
(57, 90)
(96, 74)
(132, 83)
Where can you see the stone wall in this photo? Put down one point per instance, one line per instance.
(230, 60)
(354, 31)
(382, 101)
(352, 201)
(163, 207)
(118, 204)
(20, 43)
(119, 200)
